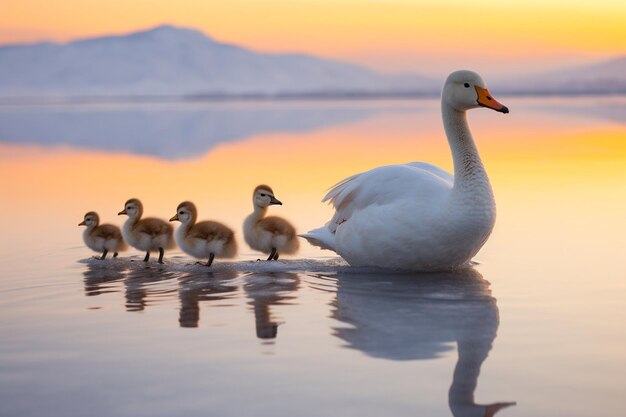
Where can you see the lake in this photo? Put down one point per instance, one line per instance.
(539, 321)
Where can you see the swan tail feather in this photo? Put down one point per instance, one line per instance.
(336, 190)
(322, 237)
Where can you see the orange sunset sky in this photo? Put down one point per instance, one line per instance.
(426, 37)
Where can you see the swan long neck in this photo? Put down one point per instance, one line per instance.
(470, 176)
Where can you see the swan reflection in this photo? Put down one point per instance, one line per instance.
(409, 317)
(266, 290)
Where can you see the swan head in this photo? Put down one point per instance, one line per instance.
(465, 90)
(263, 196)
(90, 220)
(132, 208)
(186, 213)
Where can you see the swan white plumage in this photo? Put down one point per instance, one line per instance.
(417, 216)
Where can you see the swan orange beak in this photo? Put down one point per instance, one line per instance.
(484, 99)
(121, 212)
(174, 217)
(82, 223)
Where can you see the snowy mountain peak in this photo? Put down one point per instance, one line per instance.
(171, 32)
(171, 60)
(163, 34)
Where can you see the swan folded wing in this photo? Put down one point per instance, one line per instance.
(277, 226)
(209, 230)
(435, 170)
(107, 231)
(153, 227)
(338, 189)
(385, 185)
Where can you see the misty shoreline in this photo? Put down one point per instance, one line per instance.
(322, 96)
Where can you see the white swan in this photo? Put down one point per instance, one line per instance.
(417, 216)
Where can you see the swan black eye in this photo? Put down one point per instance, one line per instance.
(466, 85)
(263, 195)
(180, 212)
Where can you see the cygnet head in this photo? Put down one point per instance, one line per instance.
(132, 208)
(91, 220)
(263, 196)
(186, 213)
(465, 90)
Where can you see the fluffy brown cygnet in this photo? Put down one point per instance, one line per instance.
(203, 240)
(148, 234)
(272, 235)
(103, 238)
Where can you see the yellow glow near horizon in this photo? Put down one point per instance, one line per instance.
(402, 33)
(559, 161)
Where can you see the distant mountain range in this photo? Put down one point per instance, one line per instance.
(169, 60)
(173, 61)
(607, 77)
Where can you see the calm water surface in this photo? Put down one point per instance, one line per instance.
(539, 321)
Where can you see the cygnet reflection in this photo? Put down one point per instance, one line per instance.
(266, 290)
(207, 286)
